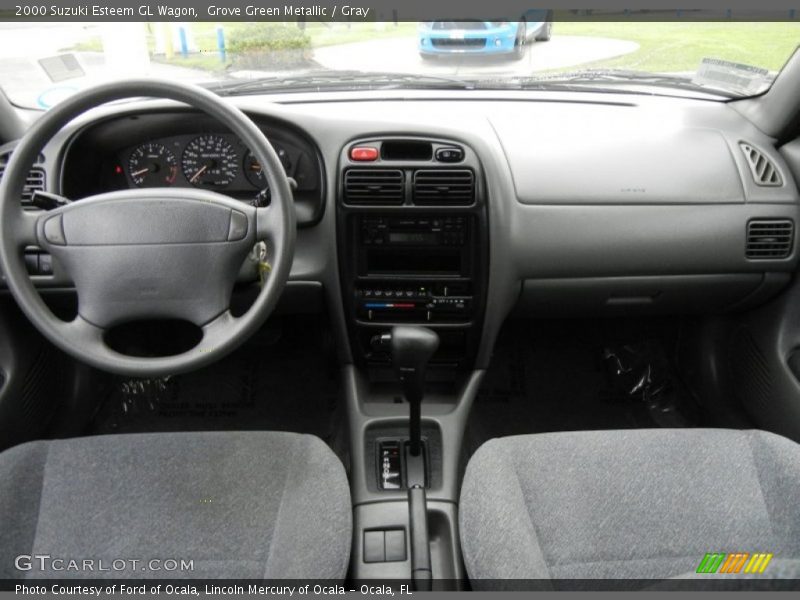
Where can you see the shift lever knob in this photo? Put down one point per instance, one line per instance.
(412, 349)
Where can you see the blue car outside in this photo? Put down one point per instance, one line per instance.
(441, 38)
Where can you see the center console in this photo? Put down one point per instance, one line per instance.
(413, 245)
(413, 252)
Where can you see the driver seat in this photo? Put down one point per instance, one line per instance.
(244, 505)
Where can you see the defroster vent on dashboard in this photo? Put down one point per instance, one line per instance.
(762, 168)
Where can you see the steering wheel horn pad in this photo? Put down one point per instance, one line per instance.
(150, 256)
(148, 253)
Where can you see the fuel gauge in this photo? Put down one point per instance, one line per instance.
(254, 172)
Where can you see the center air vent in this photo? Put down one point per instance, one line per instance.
(763, 171)
(444, 187)
(373, 186)
(769, 239)
(34, 182)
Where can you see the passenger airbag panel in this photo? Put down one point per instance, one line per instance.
(600, 156)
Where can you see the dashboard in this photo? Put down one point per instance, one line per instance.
(583, 204)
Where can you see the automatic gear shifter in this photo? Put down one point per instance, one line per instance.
(412, 348)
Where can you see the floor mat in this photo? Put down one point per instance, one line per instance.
(566, 375)
(281, 381)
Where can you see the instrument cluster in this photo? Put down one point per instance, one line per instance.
(213, 161)
(184, 149)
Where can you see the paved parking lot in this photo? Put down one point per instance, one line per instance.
(399, 55)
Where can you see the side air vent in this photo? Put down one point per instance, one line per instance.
(444, 187)
(769, 239)
(763, 171)
(373, 186)
(34, 182)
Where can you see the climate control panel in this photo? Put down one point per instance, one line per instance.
(419, 302)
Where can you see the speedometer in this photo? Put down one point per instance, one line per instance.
(152, 165)
(210, 161)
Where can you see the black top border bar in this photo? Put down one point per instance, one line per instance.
(331, 11)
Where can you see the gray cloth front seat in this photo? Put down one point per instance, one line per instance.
(635, 504)
(237, 505)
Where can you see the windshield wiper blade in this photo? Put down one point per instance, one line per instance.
(616, 76)
(338, 80)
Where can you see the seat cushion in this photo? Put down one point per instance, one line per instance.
(627, 504)
(238, 505)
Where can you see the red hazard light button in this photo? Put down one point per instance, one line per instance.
(363, 153)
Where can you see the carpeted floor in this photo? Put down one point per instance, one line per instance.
(285, 380)
(574, 375)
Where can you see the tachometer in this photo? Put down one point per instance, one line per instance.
(152, 165)
(210, 161)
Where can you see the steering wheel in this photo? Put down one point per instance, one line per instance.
(157, 253)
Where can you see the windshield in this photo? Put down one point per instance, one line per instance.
(42, 63)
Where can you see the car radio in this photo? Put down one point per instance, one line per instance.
(412, 246)
(413, 231)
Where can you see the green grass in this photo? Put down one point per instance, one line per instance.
(675, 47)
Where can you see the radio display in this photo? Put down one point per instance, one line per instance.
(415, 237)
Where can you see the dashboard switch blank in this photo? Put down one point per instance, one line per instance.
(238, 227)
(374, 546)
(54, 231)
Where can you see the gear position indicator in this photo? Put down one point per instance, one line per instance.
(389, 465)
